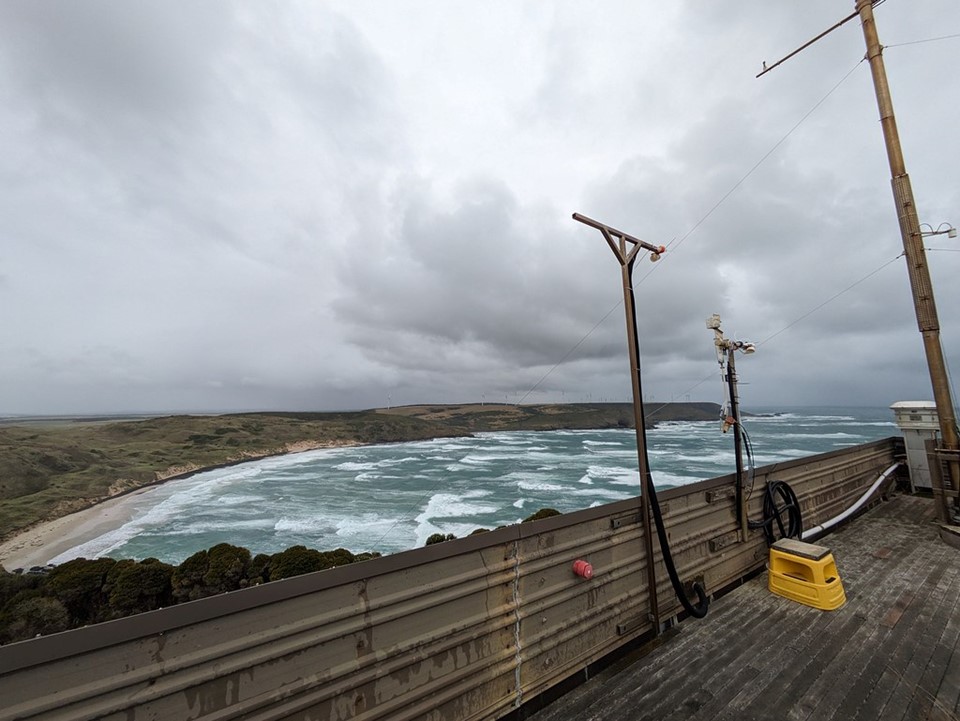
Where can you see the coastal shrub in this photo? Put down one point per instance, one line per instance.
(138, 587)
(30, 614)
(542, 513)
(13, 583)
(187, 580)
(439, 538)
(82, 592)
(227, 569)
(222, 568)
(258, 570)
(78, 585)
(295, 561)
(337, 557)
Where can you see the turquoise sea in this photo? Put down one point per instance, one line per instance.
(391, 497)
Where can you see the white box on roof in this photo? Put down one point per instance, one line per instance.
(919, 422)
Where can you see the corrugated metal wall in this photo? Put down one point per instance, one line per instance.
(467, 629)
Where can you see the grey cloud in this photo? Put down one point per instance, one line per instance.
(237, 206)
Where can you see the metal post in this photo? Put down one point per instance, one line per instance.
(919, 273)
(626, 258)
(737, 442)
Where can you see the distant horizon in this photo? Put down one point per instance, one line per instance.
(214, 412)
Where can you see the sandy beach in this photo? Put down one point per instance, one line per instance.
(37, 545)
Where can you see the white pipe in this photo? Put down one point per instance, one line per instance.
(854, 508)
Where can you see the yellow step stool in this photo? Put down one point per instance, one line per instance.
(805, 573)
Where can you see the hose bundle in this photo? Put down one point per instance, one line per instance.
(780, 506)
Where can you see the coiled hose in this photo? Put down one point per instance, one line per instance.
(778, 499)
(703, 602)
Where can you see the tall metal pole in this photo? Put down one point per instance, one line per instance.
(641, 432)
(617, 240)
(913, 249)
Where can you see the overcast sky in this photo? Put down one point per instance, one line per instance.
(328, 205)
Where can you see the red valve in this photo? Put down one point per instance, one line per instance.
(584, 569)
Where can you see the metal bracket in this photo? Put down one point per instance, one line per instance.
(621, 521)
(721, 542)
(633, 624)
(721, 494)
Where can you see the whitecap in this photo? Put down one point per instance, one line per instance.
(538, 486)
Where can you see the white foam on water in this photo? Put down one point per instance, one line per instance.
(476, 460)
(317, 524)
(449, 446)
(590, 444)
(202, 491)
(716, 457)
(356, 466)
(538, 486)
(824, 436)
(601, 493)
(519, 502)
(197, 528)
(365, 524)
(238, 499)
(661, 478)
(586, 479)
(616, 475)
(450, 505)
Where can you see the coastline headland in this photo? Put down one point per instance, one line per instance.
(65, 480)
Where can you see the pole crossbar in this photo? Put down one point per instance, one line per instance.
(608, 231)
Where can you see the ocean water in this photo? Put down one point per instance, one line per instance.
(392, 497)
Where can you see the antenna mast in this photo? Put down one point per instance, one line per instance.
(920, 284)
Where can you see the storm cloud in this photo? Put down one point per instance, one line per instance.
(243, 206)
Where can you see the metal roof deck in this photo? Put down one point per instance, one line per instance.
(892, 652)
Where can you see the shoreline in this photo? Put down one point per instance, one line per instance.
(37, 544)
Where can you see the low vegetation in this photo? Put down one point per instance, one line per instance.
(83, 592)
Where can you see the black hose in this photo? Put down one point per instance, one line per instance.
(700, 610)
(773, 512)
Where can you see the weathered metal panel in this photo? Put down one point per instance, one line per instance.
(565, 618)
(467, 629)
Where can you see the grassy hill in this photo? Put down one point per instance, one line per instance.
(551, 417)
(54, 467)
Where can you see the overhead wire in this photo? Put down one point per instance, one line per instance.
(674, 243)
(830, 299)
(926, 40)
